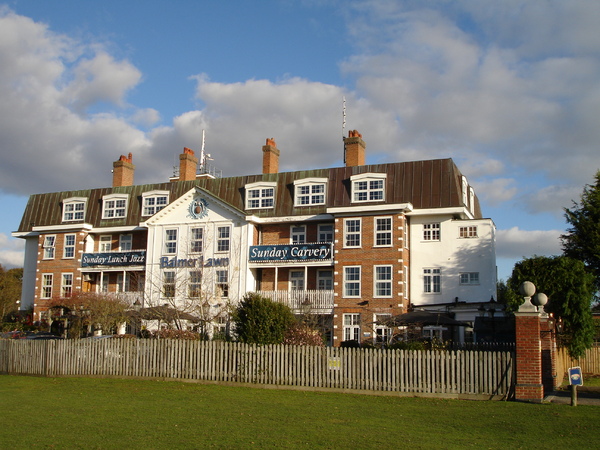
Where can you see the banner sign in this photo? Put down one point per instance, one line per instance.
(290, 252)
(115, 259)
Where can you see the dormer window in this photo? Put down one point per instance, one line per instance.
(260, 195)
(465, 191)
(368, 187)
(310, 191)
(154, 201)
(471, 200)
(74, 209)
(114, 206)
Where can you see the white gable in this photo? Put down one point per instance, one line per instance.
(196, 205)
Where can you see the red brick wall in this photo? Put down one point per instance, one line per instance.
(366, 257)
(529, 385)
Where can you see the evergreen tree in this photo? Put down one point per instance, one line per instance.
(582, 240)
(570, 289)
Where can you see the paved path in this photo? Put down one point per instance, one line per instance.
(585, 396)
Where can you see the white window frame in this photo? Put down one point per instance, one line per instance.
(49, 246)
(297, 280)
(171, 241)
(432, 280)
(382, 280)
(381, 333)
(351, 233)
(471, 200)
(298, 234)
(105, 243)
(468, 232)
(74, 209)
(197, 240)
(382, 233)
(432, 232)
(223, 242)
(352, 281)
(125, 242)
(468, 278)
(310, 191)
(351, 326)
(465, 191)
(260, 195)
(222, 282)
(368, 187)
(433, 332)
(46, 287)
(325, 232)
(66, 285)
(195, 283)
(168, 284)
(114, 206)
(69, 247)
(154, 201)
(124, 283)
(325, 280)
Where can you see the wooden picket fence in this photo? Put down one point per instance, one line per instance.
(441, 373)
(589, 363)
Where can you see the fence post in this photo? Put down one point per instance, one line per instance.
(529, 385)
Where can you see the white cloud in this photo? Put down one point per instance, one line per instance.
(553, 198)
(100, 78)
(11, 252)
(42, 137)
(496, 190)
(515, 243)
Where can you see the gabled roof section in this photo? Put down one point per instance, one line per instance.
(186, 198)
(424, 184)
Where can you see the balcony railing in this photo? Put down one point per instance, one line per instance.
(303, 302)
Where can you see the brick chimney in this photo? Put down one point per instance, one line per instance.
(188, 165)
(354, 148)
(270, 157)
(123, 171)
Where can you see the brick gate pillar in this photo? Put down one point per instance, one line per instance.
(529, 385)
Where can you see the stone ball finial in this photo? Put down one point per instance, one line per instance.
(527, 289)
(540, 299)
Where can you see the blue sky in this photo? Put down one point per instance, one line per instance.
(510, 90)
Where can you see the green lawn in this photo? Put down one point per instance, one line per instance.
(124, 414)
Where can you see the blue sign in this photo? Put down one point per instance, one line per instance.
(290, 252)
(137, 258)
(575, 377)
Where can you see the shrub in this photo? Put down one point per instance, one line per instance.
(259, 320)
(302, 334)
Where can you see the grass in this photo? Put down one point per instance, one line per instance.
(113, 413)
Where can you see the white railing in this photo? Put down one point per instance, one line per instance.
(307, 302)
(129, 297)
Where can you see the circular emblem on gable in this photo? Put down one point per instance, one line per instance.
(198, 208)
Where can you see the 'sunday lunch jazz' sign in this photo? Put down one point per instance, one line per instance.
(291, 252)
(114, 259)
